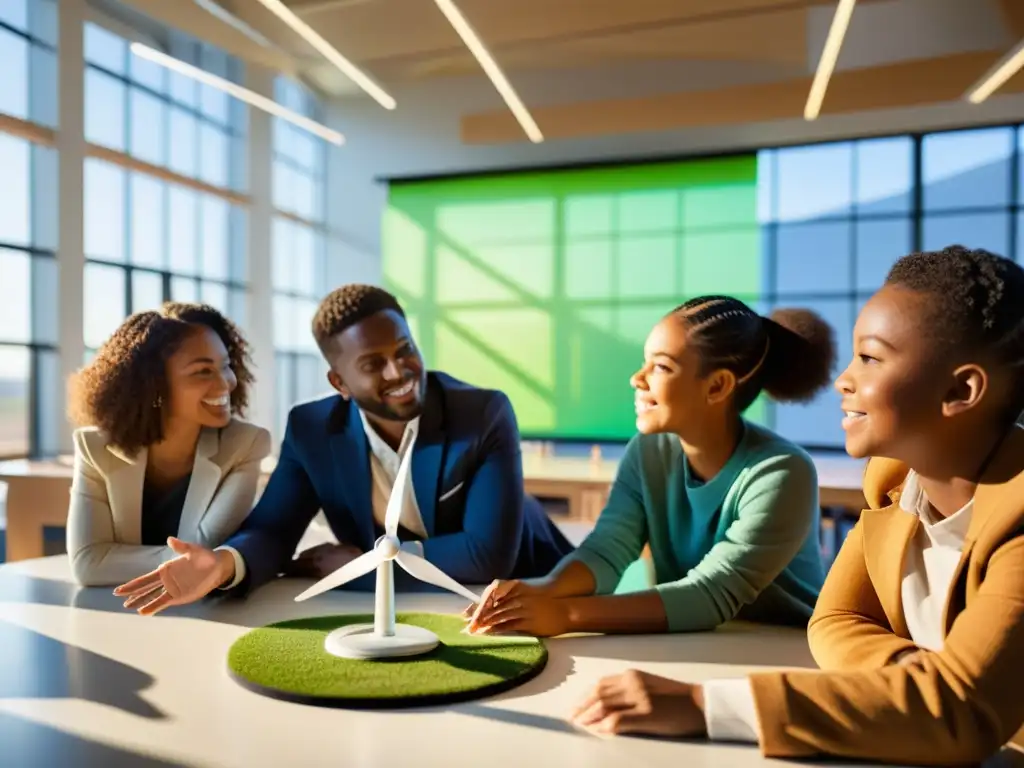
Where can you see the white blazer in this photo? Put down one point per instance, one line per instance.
(104, 528)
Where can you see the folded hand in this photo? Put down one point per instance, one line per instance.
(515, 606)
(495, 594)
(638, 702)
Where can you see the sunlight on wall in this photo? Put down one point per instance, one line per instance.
(546, 284)
(407, 237)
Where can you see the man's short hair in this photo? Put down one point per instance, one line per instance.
(348, 305)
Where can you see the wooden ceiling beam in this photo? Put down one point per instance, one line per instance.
(905, 84)
(367, 31)
(1013, 13)
(528, 22)
(777, 38)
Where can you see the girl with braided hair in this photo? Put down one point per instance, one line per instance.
(163, 461)
(728, 509)
(919, 628)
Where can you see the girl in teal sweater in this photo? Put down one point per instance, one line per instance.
(728, 509)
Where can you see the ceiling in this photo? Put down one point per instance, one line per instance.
(642, 65)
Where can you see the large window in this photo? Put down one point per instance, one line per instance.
(161, 118)
(297, 250)
(148, 241)
(545, 283)
(835, 217)
(28, 60)
(29, 369)
(164, 219)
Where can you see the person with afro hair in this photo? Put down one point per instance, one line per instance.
(727, 509)
(466, 510)
(163, 459)
(919, 628)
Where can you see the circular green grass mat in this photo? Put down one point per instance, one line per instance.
(287, 661)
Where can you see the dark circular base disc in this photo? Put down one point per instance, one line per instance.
(288, 661)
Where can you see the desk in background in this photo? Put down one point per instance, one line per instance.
(37, 491)
(584, 483)
(37, 498)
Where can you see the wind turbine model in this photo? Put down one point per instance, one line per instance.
(384, 638)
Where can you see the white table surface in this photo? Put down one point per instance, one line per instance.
(85, 683)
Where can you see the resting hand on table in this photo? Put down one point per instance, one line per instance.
(192, 575)
(638, 702)
(515, 606)
(322, 560)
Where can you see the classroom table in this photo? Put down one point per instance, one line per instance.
(37, 491)
(85, 683)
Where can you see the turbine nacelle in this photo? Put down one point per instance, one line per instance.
(387, 547)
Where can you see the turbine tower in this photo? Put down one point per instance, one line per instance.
(384, 638)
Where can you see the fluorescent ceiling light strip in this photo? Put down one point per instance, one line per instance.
(326, 50)
(308, 9)
(997, 76)
(243, 94)
(221, 13)
(829, 56)
(490, 66)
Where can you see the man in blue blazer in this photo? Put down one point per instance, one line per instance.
(467, 512)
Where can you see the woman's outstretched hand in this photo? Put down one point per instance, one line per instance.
(192, 575)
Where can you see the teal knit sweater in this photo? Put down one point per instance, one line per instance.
(742, 545)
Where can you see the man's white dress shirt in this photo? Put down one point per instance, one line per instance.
(384, 461)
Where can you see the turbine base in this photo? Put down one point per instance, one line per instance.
(359, 641)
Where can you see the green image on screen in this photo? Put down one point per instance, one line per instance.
(545, 284)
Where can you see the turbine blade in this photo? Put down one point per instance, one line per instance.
(351, 570)
(426, 571)
(396, 501)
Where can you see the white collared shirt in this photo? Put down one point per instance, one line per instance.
(930, 565)
(384, 461)
(932, 557)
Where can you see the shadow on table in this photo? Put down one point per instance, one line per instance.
(466, 660)
(18, 587)
(526, 719)
(559, 668)
(38, 667)
(21, 588)
(735, 644)
(265, 606)
(556, 671)
(31, 745)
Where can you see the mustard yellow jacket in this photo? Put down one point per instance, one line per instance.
(953, 707)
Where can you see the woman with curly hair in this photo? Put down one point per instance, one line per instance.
(161, 458)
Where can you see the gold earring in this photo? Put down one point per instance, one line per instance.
(158, 402)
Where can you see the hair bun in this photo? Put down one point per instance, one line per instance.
(802, 354)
